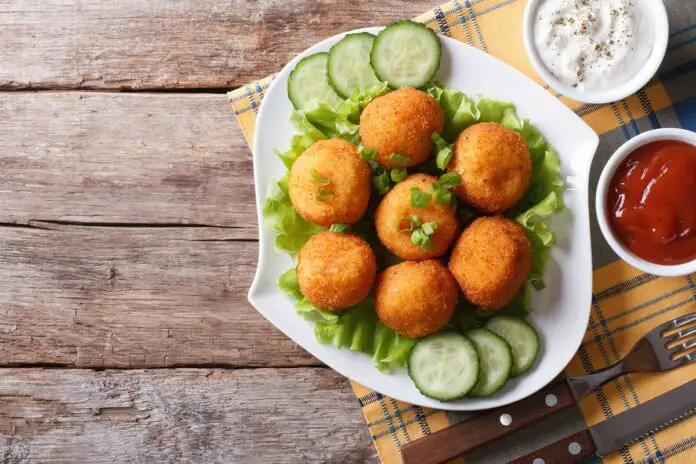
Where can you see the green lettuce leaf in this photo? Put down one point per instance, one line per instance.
(544, 198)
(358, 329)
(351, 108)
(292, 230)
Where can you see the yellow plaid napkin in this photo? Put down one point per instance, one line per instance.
(626, 302)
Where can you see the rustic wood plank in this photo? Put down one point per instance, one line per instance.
(133, 297)
(131, 44)
(180, 415)
(124, 158)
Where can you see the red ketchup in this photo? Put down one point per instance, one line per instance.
(652, 202)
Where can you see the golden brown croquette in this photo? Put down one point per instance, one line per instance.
(396, 205)
(401, 122)
(335, 270)
(491, 261)
(494, 165)
(330, 184)
(416, 299)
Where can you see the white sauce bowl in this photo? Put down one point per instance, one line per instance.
(654, 12)
(608, 172)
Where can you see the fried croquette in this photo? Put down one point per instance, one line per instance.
(399, 125)
(494, 165)
(416, 299)
(491, 261)
(395, 229)
(335, 270)
(330, 184)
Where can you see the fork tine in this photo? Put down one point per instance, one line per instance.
(682, 334)
(676, 322)
(685, 359)
(684, 346)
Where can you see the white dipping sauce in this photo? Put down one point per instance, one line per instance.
(593, 45)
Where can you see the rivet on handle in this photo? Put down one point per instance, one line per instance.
(538, 461)
(551, 400)
(574, 448)
(506, 419)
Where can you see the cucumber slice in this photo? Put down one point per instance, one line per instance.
(444, 366)
(406, 54)
(495, 357)
(308, 81)
(349, 66)
(522, 338)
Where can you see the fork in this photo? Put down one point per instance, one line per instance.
(649, 354)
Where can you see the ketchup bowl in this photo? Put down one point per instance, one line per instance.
(646, 202)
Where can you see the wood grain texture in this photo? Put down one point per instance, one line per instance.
(131, 44)
(133, 297)
(124, 158)
(180, 415)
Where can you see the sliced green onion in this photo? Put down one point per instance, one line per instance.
(442, 149)
(421, 233)
(429, 228)
(340, 228)
(450, 179)
(324, 195)
(398, 175)
(323, 181)
(382, 182)
(420, 238)
(367, 154)
(420, 199)
(443, 197)
(443, 187)
(399, 159)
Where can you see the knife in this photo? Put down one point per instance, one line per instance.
(621, 430)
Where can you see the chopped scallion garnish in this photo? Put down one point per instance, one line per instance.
(421, 233)
(450, 179)
(443, 151)
(420, 199)
(399, 159)
(368, 154)
(382, 182)
(429, 228)
(340, 228)
(443, 188)
(398, 175)
(323, 190)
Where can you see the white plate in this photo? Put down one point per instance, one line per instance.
(561, 310)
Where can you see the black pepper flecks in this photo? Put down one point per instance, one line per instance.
(582, 20)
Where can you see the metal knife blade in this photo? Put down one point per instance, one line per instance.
(642, 420)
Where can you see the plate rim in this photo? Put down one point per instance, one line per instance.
(253, 289)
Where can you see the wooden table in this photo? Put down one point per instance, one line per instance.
(128, 237)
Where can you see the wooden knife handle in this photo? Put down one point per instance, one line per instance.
(574, 448)
(465, 436)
